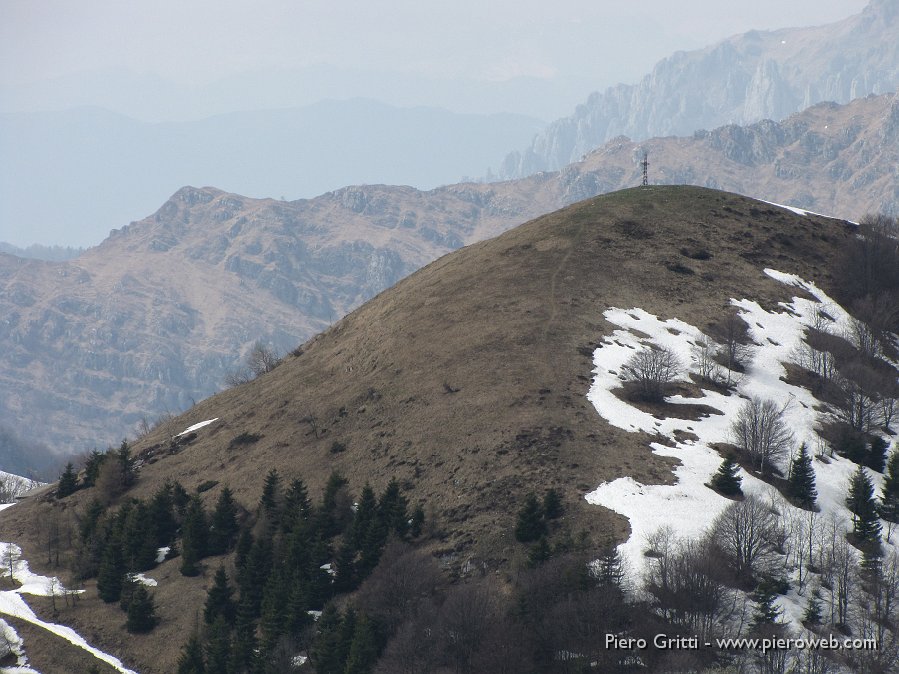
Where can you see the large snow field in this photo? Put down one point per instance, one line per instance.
(688, 506)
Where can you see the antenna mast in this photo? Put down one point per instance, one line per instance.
(645, 165)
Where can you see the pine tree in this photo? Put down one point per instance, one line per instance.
(766, 612)
(220, 600)
(345, 579)
(141, 612)
(193, 537)
(877, 454)
(366, 513)
(68, 481)
(392, 509)
(327, 650)
(609, 570)
(92, 467)
(539, 553)
(218, 646)
(530, 525)
(223, 530)
(243, 652)
(552, 504)
(727, 480)
(813, 614)
(297, 507)
(802, 479)
(129, 476)
(191, 660)
(363, 652)
(162, 510)
(417, 523)
(889, 495)
(270, 502)
(111, 573)
(861, 503)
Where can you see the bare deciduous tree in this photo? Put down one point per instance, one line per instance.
(761, 432)
(745, 533)
(653, 368)
(260, 360)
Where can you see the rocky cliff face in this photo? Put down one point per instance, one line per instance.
(154, 318)
(741, 80)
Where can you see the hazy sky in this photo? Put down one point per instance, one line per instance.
(198, 41)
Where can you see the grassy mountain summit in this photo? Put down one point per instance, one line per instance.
(467, 383)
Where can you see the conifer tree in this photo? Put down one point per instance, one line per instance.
(530, 525)
(68, 481)
(270, 502)
(220, 600)
(802, 479)
(162, 511)
(366, 513)
(609, 570)
(273, 610)
(345, 579)
(223, 530)
(813, 614)
(126, 462)
(539, 553)
(243, 651)
(552, 504)
(111, 573)
(92, 467)
(194, 532)
(727, 480)
(218, 646)
(141, 612)
(861, 503)
(392, 509)
(877, 453)
(363, 651)
(297, 506)
(328, 653)
(417, 522)
(766, 612)
(889, 495)
(191, 660)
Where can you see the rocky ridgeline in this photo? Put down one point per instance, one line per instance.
(747, 78)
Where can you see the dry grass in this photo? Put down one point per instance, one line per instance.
(467, 381)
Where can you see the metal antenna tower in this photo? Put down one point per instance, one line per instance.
(645, 165)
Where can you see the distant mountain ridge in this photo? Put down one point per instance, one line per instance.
(103, 167)
(741, 80)
(155, 317)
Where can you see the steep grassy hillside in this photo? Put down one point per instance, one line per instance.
(467, 382)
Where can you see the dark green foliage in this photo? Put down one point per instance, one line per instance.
(392, 508)
(111, 573)
(861, 503)
(765, 611)
(180, 499)
(243, 651)
(530, 525)
(418, 520)
(191, 660)
(552, 504)
(141, 612)
(802, 479)
(273, 609)
(364, 648)
(68, 482)
(92, 467)
(889, 495)
(218, 646)
(609, 570)
(539, 553)
(193, 537)
(126, 463)
(727, 480)
(813, 611)
(220, 600)
(162, 512)
(877, 453)
(223, 529)
(345, 579)
(297, 507)
(270, 502)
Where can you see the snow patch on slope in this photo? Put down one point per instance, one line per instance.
(689, 507)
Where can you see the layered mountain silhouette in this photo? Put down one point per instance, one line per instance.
(741, 80)
(158, 315)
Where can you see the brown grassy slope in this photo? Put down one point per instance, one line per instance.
(467, 380)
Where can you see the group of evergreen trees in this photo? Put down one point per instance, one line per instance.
(290, 560)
